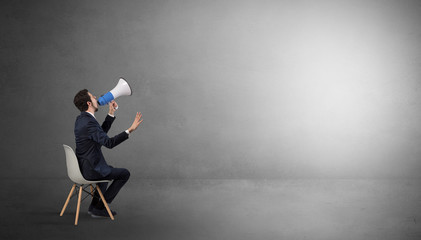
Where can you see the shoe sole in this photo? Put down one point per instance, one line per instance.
(97, 216)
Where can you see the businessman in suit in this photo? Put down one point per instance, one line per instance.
(90, 136)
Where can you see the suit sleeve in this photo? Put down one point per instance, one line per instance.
(98, 135)
(106, 125)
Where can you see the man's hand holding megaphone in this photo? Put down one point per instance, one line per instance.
(113, 107)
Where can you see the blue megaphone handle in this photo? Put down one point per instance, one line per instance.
(108, 97)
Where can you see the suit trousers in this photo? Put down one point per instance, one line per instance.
(119, 176)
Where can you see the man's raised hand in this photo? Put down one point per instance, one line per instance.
(137, 121)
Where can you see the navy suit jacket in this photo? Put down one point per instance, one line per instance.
(90, 137)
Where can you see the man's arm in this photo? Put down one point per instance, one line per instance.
(109, 119)
(98, 135)
(106, 125)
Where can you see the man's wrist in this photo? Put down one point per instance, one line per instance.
(111, 114)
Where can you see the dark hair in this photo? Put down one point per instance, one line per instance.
(81, 99)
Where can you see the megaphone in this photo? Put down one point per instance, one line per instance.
(121, 89)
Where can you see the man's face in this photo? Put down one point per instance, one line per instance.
(93, 101)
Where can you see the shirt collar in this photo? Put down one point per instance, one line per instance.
(91, 114)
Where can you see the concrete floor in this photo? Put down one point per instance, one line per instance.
(220, 209)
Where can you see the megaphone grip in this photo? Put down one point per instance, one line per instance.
(108, 97)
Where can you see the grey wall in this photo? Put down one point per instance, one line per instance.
(228, 89)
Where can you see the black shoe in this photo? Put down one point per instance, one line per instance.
(90, 209)
(99, 213)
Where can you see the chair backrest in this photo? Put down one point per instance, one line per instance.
(73, 169)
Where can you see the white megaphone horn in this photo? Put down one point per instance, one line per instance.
(121, 89)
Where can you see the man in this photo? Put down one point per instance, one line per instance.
(90, 137)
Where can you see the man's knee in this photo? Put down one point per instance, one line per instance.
(121, 174)
(125, 174)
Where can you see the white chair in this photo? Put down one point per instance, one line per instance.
(75, 175)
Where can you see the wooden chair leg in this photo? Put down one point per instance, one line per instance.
(67, 200)
(78, 204)
(92, 190)
(105, 202)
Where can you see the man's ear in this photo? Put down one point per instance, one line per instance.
(89, 103)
